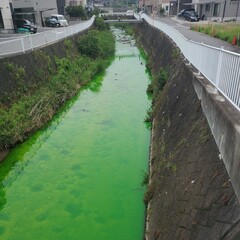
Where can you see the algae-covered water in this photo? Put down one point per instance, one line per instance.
(80, 178)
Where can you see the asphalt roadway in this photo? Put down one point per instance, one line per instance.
(10, 36)
(179, 24)
(184, 28)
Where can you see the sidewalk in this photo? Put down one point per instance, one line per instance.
(184, 28)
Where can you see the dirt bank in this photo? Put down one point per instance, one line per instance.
(35, 85)
(189, 195)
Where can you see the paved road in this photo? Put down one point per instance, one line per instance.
(184, 28)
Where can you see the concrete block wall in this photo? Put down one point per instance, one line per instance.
(224, 121)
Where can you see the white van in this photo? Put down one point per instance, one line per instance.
(63, 22)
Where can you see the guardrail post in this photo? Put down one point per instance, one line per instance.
(201, 61)
(23, 49)
(31, 42)
(45, 37)
(219, 67)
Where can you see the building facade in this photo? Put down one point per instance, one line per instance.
(76, 3)
(166, 7)
(183, 4)
(6, 23)
(149, 6)
(34, 10)
(61, 7)
(218, 10)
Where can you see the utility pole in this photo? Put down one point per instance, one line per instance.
(224, 9)
(237, 10)
(178, 5)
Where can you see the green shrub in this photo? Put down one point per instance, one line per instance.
(148, 195)
(97, 44)
(76, 11)
(33, 109)
(99, 24)
(145, 179)
(225, 32)
(162, 78)
(88, 44)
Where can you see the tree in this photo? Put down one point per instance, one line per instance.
(88, 44)
(76, 11)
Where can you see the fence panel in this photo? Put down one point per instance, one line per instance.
(11, 47)
(60, 35)
(29, 42)
(50, 37)
(38, 40)
(229, 83)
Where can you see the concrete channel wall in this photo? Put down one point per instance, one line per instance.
(224, 121)
(35, 65)
(194, 144)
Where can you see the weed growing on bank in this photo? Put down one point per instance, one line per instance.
(223, 31)
(145, 179)
(126, 27)
(36, 107)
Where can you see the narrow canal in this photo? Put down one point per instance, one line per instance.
(80, 178)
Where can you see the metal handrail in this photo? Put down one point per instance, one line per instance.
(38, 40)
(221, 67)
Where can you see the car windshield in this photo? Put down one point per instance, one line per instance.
(61, 18)
(194, 14)
(27, 22)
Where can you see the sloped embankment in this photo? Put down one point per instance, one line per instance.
(34, 86)
(189, 194)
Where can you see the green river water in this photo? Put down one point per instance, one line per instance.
(80, 178)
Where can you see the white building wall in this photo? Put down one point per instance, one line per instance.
(166, 7)
(76, 2)
(39, 6)
(6, 14)
(43, 5)
(231, 10)
(22, 3)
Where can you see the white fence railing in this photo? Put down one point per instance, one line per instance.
(219, 66)
(32, 41)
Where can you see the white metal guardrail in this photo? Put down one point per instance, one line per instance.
(219, 66)
(33, 41)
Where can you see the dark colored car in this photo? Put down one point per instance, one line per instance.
(191, 16)
(52, 22)
(181, 13)
(25, 24)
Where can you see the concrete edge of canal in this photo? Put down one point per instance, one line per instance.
(192, 196)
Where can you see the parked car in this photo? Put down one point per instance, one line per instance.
(52, 22)
(191, 16)
(181, 13)
(60, 18)
(129, 13)
(25, 24)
